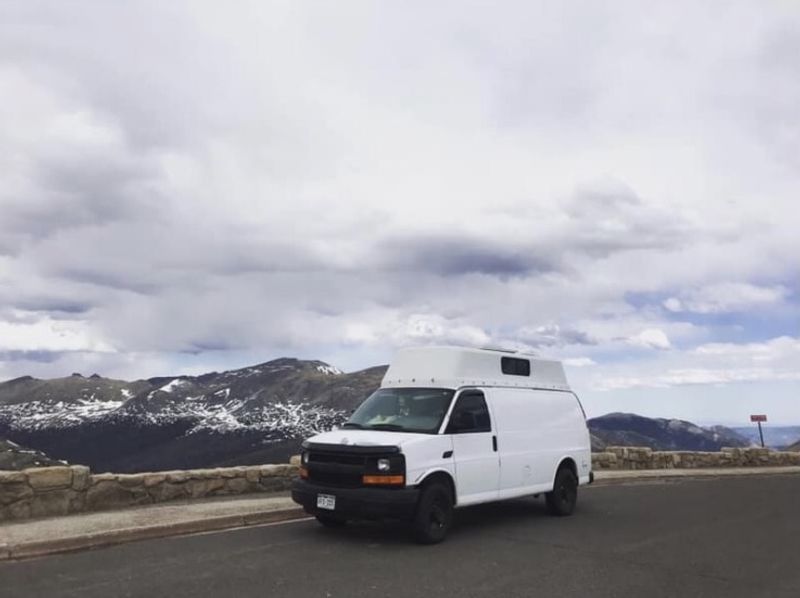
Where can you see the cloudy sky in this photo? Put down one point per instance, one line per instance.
(196, 186)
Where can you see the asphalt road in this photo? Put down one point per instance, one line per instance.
(725, 537)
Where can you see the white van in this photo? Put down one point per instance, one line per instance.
(450, 427)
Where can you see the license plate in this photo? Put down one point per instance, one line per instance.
(326, 501)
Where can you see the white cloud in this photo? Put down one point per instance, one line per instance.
(49, 336)
(579, 362)
(712, 363)
(651, 338)
(727, 297)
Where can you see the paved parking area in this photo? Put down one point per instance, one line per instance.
(719, 537)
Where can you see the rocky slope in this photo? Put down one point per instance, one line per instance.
(627, 429)
(14, 457)
(251, 415)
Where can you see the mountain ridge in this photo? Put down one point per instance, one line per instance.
(629, 429)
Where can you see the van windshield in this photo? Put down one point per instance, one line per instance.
(403, 410)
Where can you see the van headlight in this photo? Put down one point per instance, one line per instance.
(384, 465)
(304, 458)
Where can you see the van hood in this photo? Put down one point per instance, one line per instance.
(367, 437)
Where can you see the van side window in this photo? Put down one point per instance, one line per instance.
(470, 415)
(514, 366)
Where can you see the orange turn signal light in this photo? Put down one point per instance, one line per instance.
(304, 473)
(383, 480)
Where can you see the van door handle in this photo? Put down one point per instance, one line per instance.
(494, 443)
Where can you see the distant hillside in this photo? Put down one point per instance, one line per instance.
(774, 436)
(14, 457)
(627, 429)
(794, 447)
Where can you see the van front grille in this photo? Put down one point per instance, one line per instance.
(344, 469)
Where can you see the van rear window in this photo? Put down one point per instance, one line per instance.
(514, 366)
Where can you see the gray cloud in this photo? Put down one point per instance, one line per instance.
(53, 306)
(31, 356)
(553, 335)
(455, 255)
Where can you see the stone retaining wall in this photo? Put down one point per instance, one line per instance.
(62, 490)
(628, 457)
(48, 491)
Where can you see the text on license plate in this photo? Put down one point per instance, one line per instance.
(326, 501)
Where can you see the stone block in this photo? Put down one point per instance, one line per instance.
(102, 477)
(131, 480)
(295, 460)
(8, 477)
(275, 484)
(268, 471)
(233, 472)
(201, 488)
(80, 477)
(11, 492)
(19, 510)
(49, 478)
(154, 479)
(77, 502)
(177, 476)
(617, 450)
(49, 504)
(110, 495)
(202, 474)
(237, 485)
(169, 491)
(252, 474)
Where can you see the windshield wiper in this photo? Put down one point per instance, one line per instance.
(352, 425)
(389, 427)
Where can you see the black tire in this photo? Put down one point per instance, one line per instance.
(434, 514)
(561, 501)
(331, 520)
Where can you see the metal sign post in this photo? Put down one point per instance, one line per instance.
(758, 419)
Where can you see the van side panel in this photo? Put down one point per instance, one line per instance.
(536, 429)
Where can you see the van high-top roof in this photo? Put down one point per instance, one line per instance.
(454, 367)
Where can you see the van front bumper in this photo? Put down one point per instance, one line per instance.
(358, 503)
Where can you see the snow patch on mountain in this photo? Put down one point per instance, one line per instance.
(289, 419)
(329, 369)
(173, 385)
(39, 415)
(286, 418)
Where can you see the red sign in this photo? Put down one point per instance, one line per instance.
(758, 418)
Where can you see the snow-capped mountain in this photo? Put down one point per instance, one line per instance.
(248, 415)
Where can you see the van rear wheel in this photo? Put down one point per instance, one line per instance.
(434, 514)
(561, 501)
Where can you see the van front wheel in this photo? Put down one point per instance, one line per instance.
(434, 514)
(561, 501)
